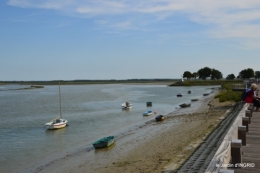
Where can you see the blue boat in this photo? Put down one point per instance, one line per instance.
(104, 142)
(147, 113)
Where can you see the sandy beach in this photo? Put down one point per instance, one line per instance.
(150, 147)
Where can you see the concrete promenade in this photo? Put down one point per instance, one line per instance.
(243, 140)
(251, 152)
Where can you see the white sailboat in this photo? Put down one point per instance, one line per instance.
(58, 122)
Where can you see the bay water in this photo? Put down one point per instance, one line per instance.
(93, 111)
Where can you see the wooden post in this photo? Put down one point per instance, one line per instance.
(242, 134)
(248, 114)
(250, 107)
(236, 145)
(245, 122)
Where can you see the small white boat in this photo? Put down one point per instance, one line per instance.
(147, 113)
(56, 123)
(127, 105)
(59, 122)
(179, 95)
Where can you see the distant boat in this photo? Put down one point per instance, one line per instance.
(149, 104)
(189, 92)
(206, 94)
(36, 86)
(194, 100)
(147, 113)
(159, 118)
(179, 95)
(127, 105)
(184, 105)
(104, 142)
(58, 122)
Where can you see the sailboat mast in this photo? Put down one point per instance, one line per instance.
(60, 100)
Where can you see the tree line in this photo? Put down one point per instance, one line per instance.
(215, 74)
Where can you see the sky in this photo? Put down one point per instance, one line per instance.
(126, 39)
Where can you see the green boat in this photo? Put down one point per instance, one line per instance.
(104, 142)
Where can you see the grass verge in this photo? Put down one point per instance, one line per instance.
(227, 94)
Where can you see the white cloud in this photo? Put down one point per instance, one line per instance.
(223, 18)
(251, 43)
(48, 4)
(101, 22)
(101, 7)
(123, 25)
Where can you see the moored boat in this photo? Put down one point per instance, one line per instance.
(194, 100)
(147, 113)
(206, 94)
(159, 118)
(56, 123)
(104, 142)
(149, 104)
(59, 122)
(127, 105)
(184, 105)
(189, 92)
(179, 95)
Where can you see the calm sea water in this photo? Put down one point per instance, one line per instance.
(93, 111)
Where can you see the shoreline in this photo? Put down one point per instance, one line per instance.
(141, 82)
(150, 147)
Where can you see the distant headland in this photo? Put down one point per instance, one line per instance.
(79, 82)
(169, 82)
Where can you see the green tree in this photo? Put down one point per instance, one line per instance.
(257, 74)
(230, 77)
(204, 73)
(246, 73)
(215, 74)
(187, 75)
(195, 75)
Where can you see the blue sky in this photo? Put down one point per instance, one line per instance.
(125, 39)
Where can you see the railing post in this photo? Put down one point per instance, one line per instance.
(248, 114)
(245, 122)
(242, 134)
(236, 145)
(251, 107)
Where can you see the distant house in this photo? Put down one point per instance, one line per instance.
(250, 81)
